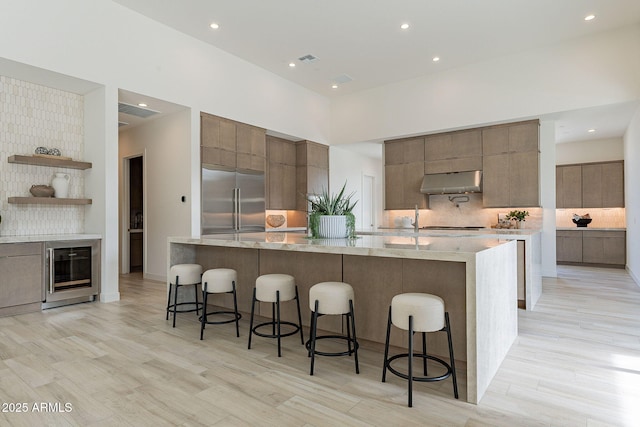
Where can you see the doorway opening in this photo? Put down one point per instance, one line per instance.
(136, 219)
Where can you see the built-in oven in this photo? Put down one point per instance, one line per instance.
(72, 272)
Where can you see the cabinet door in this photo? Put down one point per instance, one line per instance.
(495, 140)
(569, 186)
(495, 181)
(569, 246)
(604, 247)
(21, 273)
(523, 137)
(209, 131)
(467, 144)
(413, 150)
(613, 185)
(227, 135)
(413, 175)
(318, 155)
(592, 186)
(393, 154)
(438, 147)
(523, 180)
(438, 166)
(393, 187)
(466, 164)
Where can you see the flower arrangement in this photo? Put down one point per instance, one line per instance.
(518, 215)
(332, 204)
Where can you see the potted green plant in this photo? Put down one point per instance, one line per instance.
(518, 216)
(331, 215)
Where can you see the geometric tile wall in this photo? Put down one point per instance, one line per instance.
(32, 116)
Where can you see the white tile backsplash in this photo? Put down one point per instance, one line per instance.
(32, 116)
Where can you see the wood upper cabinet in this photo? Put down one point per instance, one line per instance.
(590, 185)
(511, 165)
(281, 174)
(224, 142)
(453, 152)
(404, 170)
(603, 185)
(312, 171)
(569, 186)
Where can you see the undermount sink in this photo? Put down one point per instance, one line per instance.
(451, 227)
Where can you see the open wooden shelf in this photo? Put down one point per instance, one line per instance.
(48, 161)
(48, 201)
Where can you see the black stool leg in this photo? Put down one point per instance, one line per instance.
(203, 318)
(453, 362)
(355, 340)
(235, 308)
(424, 351)
(253, 305)
(410, 358)
(169, 300)
(313, 336)
(175, 301)
(348, 334)
(311, 326)
(278, 308)
(386, 348)
(299, 317)
(197, 302)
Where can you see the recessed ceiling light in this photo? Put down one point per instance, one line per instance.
(214, 25)
(590, 17)
(292, 64)
(142, 104)
(334, 86)
(404, 26)
(591, 130)
(436, 58)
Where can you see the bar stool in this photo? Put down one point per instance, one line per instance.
(183, 275)
(275, 288)
(331, 298)
(417, 312)
(219, 281)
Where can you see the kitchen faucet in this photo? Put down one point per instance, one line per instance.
(416, 227)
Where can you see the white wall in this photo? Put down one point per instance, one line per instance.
(585, 72)
(597, 150)
(548, 197)
(632, 195)
(167, 175)
(100, 44)
(347, 166)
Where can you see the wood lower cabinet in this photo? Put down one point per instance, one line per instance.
(605, 248)
(569, 246)
(21, 273)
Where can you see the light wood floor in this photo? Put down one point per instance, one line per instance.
(576, 363)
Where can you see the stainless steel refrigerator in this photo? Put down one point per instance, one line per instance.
(232, 202)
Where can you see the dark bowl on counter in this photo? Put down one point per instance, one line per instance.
(582, 222)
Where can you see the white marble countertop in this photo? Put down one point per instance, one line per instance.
(445, 248)
(501, 233)
(48, 238)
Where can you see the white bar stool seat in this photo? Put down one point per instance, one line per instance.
(219, 281)
(275, 288)
(183, 275)
(332, 298)
(419, 312)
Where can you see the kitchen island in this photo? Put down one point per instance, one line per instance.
(475, 277)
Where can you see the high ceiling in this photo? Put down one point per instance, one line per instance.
(362, 39)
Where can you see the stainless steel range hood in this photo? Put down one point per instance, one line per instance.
(452, 183)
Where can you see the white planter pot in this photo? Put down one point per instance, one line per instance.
(332, 227)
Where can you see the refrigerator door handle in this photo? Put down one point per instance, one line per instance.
(239, 210)
(235, 209)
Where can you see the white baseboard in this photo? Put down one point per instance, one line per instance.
(110, 297)
(155, 277)
(633, 276)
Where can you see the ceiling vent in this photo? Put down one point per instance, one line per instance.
(134, 110)
(120, 124)
(308, 59)
(342, 79)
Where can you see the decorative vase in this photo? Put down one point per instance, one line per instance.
(60, 184)
(332, 226)
(520, 224)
